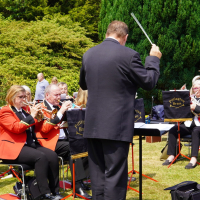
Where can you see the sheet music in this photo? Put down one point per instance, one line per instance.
(160, 127)
(139, 124)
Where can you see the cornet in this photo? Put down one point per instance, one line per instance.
(40, 115)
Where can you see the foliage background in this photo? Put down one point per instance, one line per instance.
(173, 25)
(48, 36)
(54, 46)
(35, 33)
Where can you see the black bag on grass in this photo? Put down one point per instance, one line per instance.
(31, 188)
(187, 190)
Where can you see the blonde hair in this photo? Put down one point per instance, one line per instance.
(12, 93)
(81, 98)
(54, 79)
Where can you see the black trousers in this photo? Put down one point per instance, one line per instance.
(45, 162)
(173, 135)
(81, 165)
(108, 168)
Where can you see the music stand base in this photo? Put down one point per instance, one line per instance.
(74, 196)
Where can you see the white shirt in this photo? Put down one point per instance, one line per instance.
(59, 115)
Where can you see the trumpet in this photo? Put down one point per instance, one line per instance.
(40, 115)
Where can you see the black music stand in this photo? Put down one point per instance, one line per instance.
(146, 130)
(177, 109)
(78, 145)
(139, 117)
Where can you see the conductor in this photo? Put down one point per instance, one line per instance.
(112, 73)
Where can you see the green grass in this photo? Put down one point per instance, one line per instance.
(151, 166)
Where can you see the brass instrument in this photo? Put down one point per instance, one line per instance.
(53, 112)
(40, 115)
(193, 100)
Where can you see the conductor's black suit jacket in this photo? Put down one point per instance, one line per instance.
(112, 73)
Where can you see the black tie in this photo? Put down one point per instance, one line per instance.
(29, 139)
(20, 115)
(56, 107)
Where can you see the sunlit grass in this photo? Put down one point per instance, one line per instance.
(152, 167)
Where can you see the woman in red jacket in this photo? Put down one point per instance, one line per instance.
(18, 142)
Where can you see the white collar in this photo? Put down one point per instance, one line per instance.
(112, 38)
(20, 110)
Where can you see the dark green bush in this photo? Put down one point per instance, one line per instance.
(171, 24)
(54, 46)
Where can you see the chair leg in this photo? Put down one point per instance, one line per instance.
(23, 185)
(61, 172)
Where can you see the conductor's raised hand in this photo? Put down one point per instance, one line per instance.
(155, 51)
(65, 106)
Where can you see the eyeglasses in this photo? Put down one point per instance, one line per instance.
(22, 97)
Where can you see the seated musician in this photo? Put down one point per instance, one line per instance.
(54, 80)
(64, 89)
(18, 142)
(188, 127)
(81, 99)
(28, 93)
(56, 139)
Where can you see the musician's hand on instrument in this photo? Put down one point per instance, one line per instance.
(65, 106)
(193, 106)
(155, 51)
(34, 110)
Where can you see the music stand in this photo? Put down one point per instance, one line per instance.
(78, 145)
(143, 129)
(177, 109)
(139, 117)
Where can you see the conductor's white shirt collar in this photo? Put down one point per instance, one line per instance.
(113, 38)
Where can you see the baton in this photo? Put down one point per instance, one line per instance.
(134, 17)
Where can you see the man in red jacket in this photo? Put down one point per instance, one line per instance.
(56, 138)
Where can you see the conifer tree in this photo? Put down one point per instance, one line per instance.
(173, 25)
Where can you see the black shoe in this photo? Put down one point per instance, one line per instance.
(85, 187)
(132, 179)
(190, 166)
(82, 193)
(167, 162)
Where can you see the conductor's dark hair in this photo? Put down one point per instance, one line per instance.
(120, 29)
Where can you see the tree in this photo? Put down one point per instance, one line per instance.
(87, 13)
(174, 25)
(23, 9)
(54, 46)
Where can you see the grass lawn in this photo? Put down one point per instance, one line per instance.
(152, 167)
